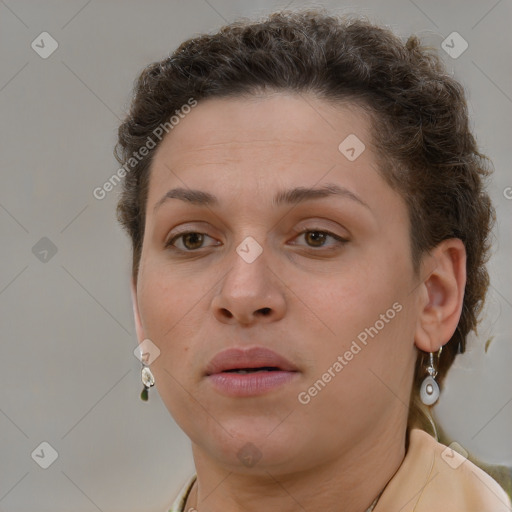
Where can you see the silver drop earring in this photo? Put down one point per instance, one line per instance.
(429, 391)
(148, 381)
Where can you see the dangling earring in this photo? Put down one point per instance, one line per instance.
(148, 380)
(429, 391)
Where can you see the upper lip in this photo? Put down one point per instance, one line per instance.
(256, 357)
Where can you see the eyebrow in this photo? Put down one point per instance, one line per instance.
(293, 196)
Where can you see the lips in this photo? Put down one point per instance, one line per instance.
(244, 373)
(248, 361)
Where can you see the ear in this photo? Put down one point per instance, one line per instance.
(443, 292)
(136, 314)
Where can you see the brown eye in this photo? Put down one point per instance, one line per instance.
(189, 241)
(316, 238)
(193, 240)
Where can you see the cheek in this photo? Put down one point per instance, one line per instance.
(167, 311)
(368, 305)
(346, 302)
(157, 303)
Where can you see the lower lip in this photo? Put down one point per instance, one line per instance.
(249, 384)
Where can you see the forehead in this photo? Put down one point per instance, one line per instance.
(271, 118)
(278, 137)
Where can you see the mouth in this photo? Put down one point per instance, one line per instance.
(249, 372)
(248, 360)
(244, 371)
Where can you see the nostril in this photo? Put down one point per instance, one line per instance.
(265, 311)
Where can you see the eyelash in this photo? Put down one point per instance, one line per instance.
(339, 239)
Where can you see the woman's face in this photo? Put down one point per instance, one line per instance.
(324, 280)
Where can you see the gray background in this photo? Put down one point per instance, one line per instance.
(68, 375)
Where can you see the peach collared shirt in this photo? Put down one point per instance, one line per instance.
(431, 478)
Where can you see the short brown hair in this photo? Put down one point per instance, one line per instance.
(420, 124)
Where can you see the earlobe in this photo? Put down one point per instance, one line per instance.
(443, 295)
(136, 314)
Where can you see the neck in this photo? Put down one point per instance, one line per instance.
(351, 481)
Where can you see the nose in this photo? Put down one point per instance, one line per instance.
(250, 293)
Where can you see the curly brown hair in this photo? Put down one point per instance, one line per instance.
(420, 126)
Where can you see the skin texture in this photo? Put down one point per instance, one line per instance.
(319, 294)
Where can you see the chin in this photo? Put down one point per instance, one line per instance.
(255, 444)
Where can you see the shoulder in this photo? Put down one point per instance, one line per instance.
(434, 477)
(462, 484)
